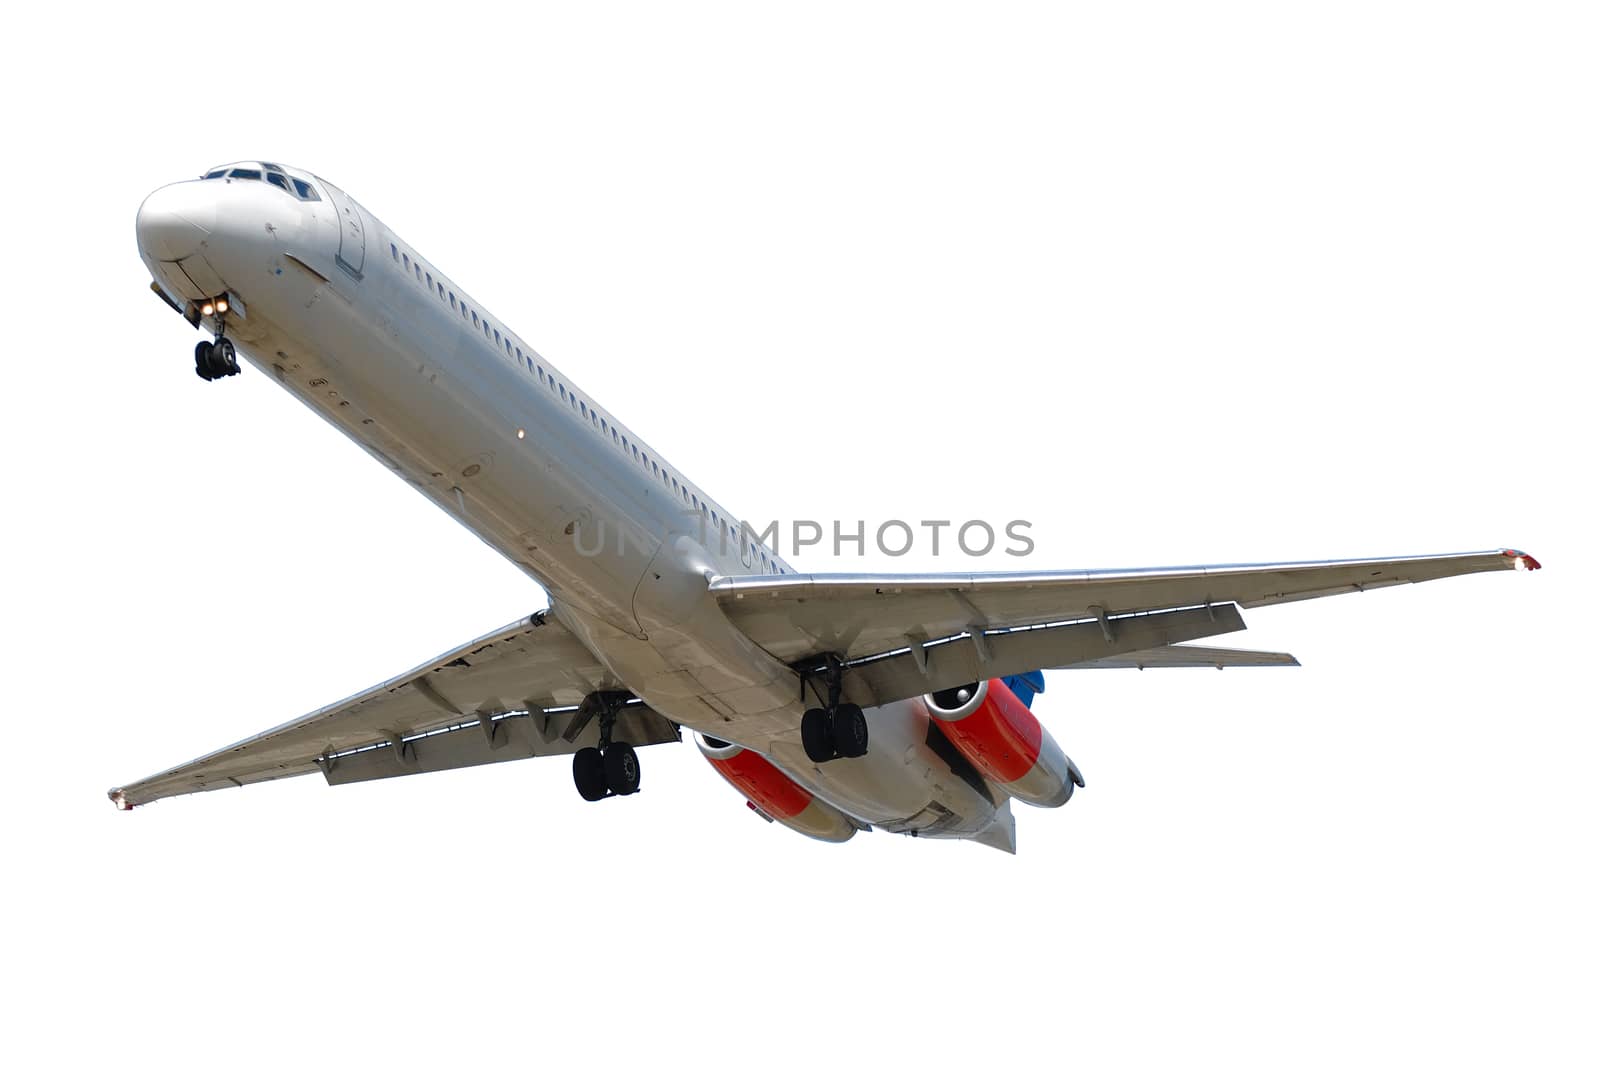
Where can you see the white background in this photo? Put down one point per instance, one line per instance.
(1177, 283)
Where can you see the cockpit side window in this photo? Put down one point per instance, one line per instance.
(272, 167)
(245, 173)
(280, 181)
(303, 190)
(217, 173)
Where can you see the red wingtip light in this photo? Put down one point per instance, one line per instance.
(1527, 561)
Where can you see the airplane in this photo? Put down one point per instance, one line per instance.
(833, 703)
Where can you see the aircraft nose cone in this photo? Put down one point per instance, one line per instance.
(174, 219)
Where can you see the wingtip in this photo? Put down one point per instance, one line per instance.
(1521, 560)
(120, 799)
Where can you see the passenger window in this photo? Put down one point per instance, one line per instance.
(497, 337)
(405, 258)
(452, 301)
(474, 318)
(418, 268)
(563, 392)
(395, 252)
(430, 280)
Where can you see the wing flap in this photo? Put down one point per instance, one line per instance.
(900, 675)
(492, 739)
(1191, 656)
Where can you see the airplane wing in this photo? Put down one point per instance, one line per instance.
(511, 694)
(860, 616)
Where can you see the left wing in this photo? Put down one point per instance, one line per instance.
(518, 688)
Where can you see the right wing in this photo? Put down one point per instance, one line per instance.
(795, 616)
(901, 635)
(519, 689)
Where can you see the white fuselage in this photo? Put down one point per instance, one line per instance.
(343, 314)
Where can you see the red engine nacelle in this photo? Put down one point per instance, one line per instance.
(774, 794)
(1001, 737)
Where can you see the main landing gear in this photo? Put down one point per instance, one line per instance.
(612, 769)
(836, 730)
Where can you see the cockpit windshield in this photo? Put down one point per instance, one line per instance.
(271, 173)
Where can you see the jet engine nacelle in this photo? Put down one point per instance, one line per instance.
(773, 793)
(1001, 737)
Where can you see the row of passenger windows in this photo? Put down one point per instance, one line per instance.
(270, 173)
(717, 525)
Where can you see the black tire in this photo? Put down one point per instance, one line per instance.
(589, 774)
(814, 736)
(202, 360)
(848, 729)
(229, 357)
(621, 768)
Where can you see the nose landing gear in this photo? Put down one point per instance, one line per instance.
(216, 359)
(213, 360)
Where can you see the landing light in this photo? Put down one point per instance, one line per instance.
(521, 434)
(207, 309)
(222, 307)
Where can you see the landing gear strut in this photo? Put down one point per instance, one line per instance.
(836, 730)
(216, 359)
(612, 769)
